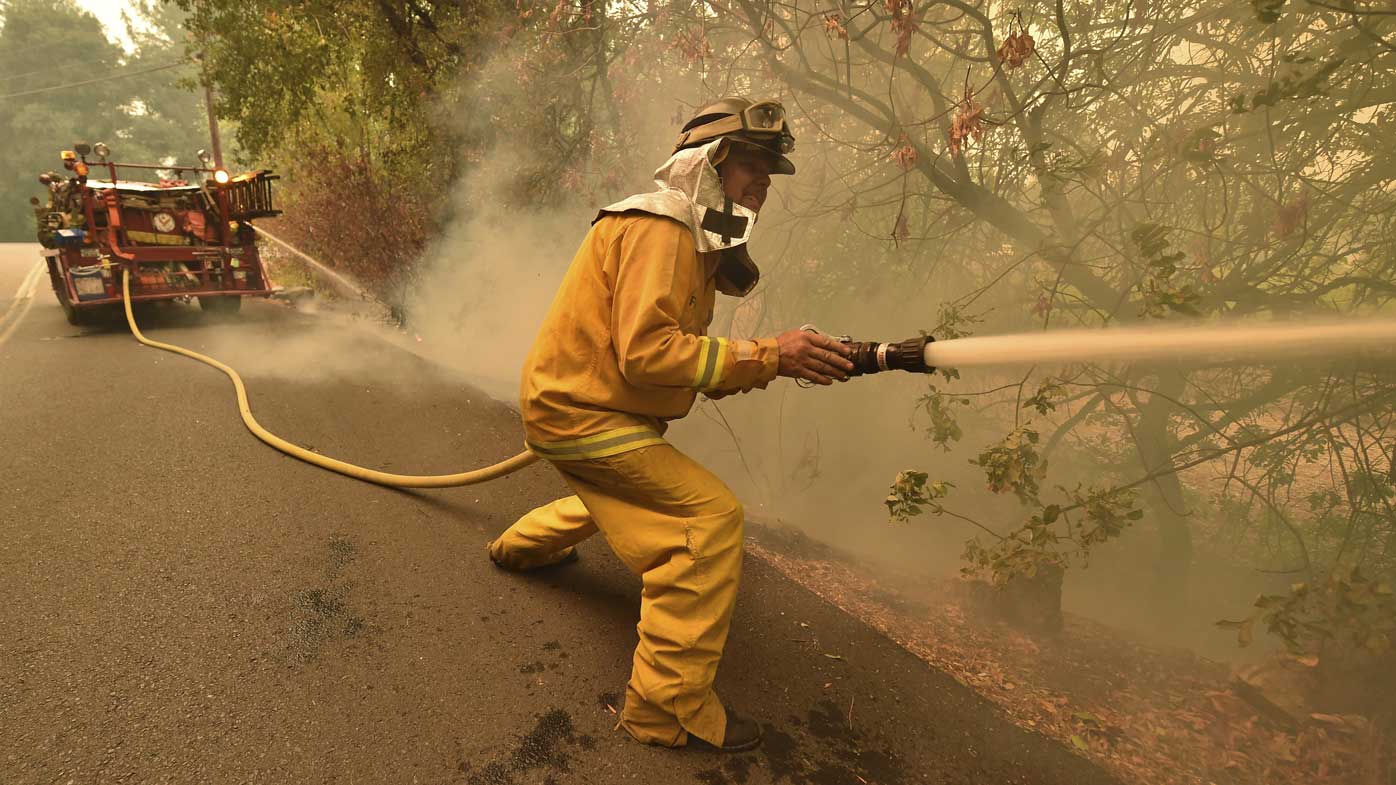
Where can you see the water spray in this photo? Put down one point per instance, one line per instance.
(1200, 343)
(340, 281)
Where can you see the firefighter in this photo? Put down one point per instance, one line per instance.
(623, 350)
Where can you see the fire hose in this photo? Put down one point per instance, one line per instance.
(867, 358)
(508, 466)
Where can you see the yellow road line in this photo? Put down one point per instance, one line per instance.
(38, 276)
(28, 280)
(25, 295)
(14, 323)
(25, 285)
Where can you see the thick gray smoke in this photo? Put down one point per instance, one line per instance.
(489, 280)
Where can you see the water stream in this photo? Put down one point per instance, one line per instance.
(1203, 343)
(343, 282)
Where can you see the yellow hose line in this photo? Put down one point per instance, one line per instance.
(496, 471)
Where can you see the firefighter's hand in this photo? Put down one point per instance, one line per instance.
(813, 357)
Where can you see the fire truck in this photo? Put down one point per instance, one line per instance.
(182, 232)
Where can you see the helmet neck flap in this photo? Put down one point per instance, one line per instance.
(690, 192)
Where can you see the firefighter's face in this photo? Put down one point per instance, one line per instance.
(746, 175)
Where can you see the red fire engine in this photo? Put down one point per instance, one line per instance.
(178, 237)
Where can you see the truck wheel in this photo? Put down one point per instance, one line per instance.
(74, 316)
(220, 304)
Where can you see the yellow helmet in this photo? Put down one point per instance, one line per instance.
(756, 123)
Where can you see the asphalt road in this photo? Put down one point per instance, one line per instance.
(179, 603)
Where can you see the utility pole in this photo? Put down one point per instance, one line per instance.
(212, 116)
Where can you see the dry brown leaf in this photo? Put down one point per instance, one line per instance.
(902, 231)
(968, 124)
(1016, 49)
(1162, 721)
(833, 25)
(905, 155)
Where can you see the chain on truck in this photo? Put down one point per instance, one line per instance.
(182, 237)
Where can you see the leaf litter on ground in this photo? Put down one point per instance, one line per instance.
(1147, 715)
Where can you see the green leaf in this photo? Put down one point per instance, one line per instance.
(1080, 743)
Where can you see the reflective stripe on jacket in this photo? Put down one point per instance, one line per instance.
(624, 348)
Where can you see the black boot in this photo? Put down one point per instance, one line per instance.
(742, 734)
(568, 559)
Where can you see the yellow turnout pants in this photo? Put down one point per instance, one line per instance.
(679, 528)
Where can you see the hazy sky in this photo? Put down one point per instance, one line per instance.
(109, 11)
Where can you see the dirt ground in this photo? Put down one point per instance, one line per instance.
(1146, 714)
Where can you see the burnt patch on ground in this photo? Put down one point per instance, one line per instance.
(321, 614)
(820, 750)
(341, 553)
(826, 722)
(826, 752)
(735, 770)
(552, 660)
(544, 749)
(611, 702)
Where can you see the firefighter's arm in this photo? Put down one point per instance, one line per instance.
(656, 274)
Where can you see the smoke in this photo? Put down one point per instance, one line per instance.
(338, 346)
(489, 279)
(485, 284)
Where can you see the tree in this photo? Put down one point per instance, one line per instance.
(380, 108)
(142, 114)
(345, 99)
(1139, 161)
(43, 44)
